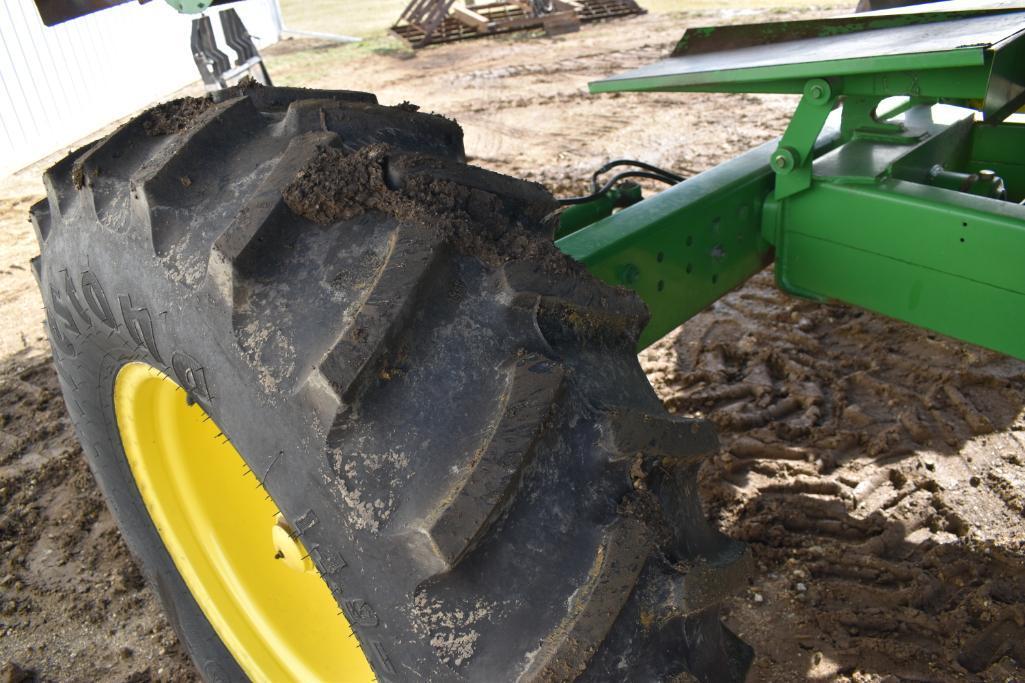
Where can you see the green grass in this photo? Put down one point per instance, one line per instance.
(320, 66)
(370, 17)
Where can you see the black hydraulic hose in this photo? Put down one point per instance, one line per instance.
(569, 201)
(667, 175)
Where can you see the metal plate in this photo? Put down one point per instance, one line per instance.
(939, 45)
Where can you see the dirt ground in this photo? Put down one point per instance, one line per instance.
(878, 471)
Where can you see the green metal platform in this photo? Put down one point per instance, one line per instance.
(908, 207)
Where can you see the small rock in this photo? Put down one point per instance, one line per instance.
(898, 478)
(801, 587)
(12, 673)
(975, 481)
(757, 597)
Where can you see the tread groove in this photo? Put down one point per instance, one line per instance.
(168, 181)
(265, 208)
(100, 172)
(476, 501)
(596, 604)
(61, 190)
(572, 307)
(704, 583)
(383, 313)
(39, 214)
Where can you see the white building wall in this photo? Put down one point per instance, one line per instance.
(59, 84)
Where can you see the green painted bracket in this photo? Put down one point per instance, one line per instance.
(792, 160)
(189, 6)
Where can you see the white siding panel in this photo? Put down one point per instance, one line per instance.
(59, 84)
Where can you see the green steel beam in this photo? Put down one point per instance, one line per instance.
(686, 247)
(944, 260)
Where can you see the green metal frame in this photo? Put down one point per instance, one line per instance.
(686, 247)
(189, 6)
(895, 212)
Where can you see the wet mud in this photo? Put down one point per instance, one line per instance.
(73, 604)
(876, 470)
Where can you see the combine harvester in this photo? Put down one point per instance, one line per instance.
(360, 417)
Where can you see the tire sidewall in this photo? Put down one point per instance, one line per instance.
(87, 375)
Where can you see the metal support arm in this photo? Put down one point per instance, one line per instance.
(686, 247)
(941, 259)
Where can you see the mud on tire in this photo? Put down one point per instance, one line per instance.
(448, 410)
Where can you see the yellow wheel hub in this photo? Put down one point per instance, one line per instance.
(240, 559)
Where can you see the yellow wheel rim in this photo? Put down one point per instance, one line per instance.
(252, 579)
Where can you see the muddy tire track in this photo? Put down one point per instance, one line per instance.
(876, 469)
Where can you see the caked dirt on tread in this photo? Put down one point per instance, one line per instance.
(476, 222)
(876, 471)
(175, 116)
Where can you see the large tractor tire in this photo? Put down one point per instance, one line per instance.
(358, 417)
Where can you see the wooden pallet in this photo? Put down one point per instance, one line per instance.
(427, 22)
(596, 10)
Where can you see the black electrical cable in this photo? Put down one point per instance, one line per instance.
(648, 171)
(667, 175)
(569, 201)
